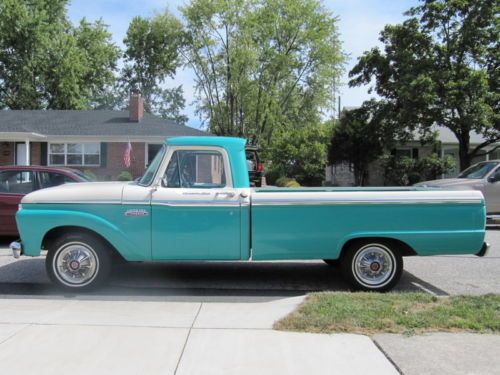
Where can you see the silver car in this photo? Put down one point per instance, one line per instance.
(483, 176)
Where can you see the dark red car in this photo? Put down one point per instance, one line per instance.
(16, 181)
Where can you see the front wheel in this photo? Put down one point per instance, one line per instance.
(372, 265)
(78, 262)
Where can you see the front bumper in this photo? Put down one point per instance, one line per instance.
(484, 250)
(17, 249)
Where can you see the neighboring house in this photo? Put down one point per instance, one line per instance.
(86, 140)
(447, 145)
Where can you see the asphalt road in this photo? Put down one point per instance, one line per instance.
(226, 281)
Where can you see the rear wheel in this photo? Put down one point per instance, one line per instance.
(372, 265)
(78, 262)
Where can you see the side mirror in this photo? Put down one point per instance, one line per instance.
(494, 178)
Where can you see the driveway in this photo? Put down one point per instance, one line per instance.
(210, 318)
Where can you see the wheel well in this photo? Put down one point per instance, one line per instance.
(55, 233)
(403, 248)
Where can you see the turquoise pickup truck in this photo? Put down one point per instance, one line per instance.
(194, 202)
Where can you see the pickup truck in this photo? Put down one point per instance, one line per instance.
(194, 202)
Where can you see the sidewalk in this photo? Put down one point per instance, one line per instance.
(54, 336)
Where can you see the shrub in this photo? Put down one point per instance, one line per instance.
(124, 176)
(287, 182)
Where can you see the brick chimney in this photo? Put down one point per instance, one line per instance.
(136, 106)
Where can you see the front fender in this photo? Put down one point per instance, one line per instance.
(34, 224)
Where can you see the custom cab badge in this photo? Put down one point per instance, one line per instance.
(136, 212)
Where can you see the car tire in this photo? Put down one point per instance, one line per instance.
(372, 265)
(78, 262)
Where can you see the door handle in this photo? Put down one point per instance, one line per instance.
(227, 194)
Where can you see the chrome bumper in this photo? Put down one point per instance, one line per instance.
(17, 249)
(484, 250)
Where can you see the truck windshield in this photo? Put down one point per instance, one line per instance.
(478, 170)
(148, 176)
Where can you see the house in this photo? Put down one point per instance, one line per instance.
(94, 140)
(447, 145)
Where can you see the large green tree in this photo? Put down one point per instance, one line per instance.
(440, 67)
(261, 65)
(151, 56)
(45, 62)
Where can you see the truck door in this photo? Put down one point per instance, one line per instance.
(195, 209)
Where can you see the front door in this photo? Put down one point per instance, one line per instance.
(491, 192)
(195, 209)
(14, 185)
(21, 154)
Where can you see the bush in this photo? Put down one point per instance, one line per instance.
(91, 175)
(124, 176)
(407, 171)
(287, 182)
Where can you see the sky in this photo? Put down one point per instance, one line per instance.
(360, 22)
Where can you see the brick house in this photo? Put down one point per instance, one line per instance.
(86, 140)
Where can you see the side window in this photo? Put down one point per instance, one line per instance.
(50, 179)
(196, 169)
(16, 182)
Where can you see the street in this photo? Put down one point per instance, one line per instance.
(214, 281)
(213, 318)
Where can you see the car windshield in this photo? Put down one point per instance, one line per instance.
(148, 176)
(478, 170)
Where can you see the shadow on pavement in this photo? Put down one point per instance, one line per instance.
(195, 281)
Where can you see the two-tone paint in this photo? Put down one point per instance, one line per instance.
(236, 222)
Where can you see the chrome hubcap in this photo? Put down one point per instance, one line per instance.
(373, 265)
(76, 264)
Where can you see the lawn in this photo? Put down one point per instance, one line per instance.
(407, 313)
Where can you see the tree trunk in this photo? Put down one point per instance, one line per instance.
(463, 151)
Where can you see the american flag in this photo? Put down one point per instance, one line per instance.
(126, 155)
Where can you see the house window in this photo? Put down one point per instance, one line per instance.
(75, 154)
(410, 153)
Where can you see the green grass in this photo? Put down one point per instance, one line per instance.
(407, 313)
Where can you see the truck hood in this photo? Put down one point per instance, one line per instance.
(450, 183)
(86, 192)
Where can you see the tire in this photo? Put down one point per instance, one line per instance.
(332, 262)
(78, 262)
(363, 264)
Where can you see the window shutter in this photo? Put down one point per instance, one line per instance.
(104, 154)
(43, 153)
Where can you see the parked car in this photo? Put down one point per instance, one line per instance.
(483, 176)
(254, 165)
(194, 202)
(17, 181)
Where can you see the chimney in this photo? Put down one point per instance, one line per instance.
(136, 106)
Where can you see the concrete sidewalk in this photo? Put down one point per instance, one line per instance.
(443, 353)
(54, 336)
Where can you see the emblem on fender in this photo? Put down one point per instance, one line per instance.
(136, 212)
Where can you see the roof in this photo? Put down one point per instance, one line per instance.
(226, 142)
(90, 123)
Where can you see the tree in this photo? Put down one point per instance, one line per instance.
(261, 65)
(440, 67)
(300, 153)
(151, 56)
(362, 136)
(46, 63)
